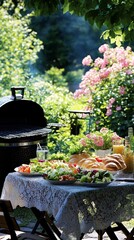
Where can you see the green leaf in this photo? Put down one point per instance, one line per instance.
(65, 6)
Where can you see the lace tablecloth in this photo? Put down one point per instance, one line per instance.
(76, 209)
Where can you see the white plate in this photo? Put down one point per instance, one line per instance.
(33, 174)
(116, 172)
(56, 182)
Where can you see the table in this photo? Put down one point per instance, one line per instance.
(76, 209)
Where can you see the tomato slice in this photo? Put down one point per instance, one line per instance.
(98, 159)
(27, 169)
(24, 168)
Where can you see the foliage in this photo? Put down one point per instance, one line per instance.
(18, 50)
(62, 142)
(73, 79)
(108, 88)
(61, 47)
(132, 143)
(102, 139)
(117, 15)
(55, 76)
(53, 95)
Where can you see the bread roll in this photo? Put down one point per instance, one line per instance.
(117, 156)
(112, 160)
(111, 166)
(75, 158)
(117, 160)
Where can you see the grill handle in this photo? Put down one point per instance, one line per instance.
(17, 96)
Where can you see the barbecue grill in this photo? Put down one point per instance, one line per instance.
(22, 126)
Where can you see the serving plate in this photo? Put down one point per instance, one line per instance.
(94, 184)
(33, 174)
(57, 182)
(123, 179)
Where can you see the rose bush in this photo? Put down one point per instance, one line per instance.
(108, 88)
(102, 139)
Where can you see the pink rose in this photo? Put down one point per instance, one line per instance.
(83, 142)
(112, 100)
(87, 61)
(109, 112)
(103, 48)
(115, 136)
(98, 141)
(118, 108)
(104, 73)
(104, 130)
(99, 62)
(122, 90)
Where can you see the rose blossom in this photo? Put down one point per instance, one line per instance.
(103, 48)
(122, 90)
(87, 60)
(78, 93)
(104, 130)
(98, 141)
(99, 62)
(83, 142)
(112, 100)
(109, 112)
(104, 73)
(115, 136)
(118, 108)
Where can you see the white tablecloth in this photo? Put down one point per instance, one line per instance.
(76, 209)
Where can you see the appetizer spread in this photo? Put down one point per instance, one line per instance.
(58, 170)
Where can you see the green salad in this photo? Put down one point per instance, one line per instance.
(96, 176)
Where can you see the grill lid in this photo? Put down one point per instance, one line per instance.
(16, 111)
(21, 120)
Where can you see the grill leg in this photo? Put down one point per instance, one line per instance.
(131, 235)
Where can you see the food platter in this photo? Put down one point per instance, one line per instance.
(76, 183)
(56, 182)
(94, 184)
(116, 173)
(32, 174)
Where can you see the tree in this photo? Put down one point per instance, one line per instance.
(18, 50)
(62, 48)
(116, 15)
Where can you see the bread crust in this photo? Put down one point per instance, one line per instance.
(111, 166)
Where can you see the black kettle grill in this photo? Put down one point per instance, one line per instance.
(22, 126)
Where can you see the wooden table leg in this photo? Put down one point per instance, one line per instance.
(121, 227)
(111, 234)
(50, 229)
(131, 235)
(100, 234)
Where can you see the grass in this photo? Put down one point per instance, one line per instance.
(129, 224)
(24, 215)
